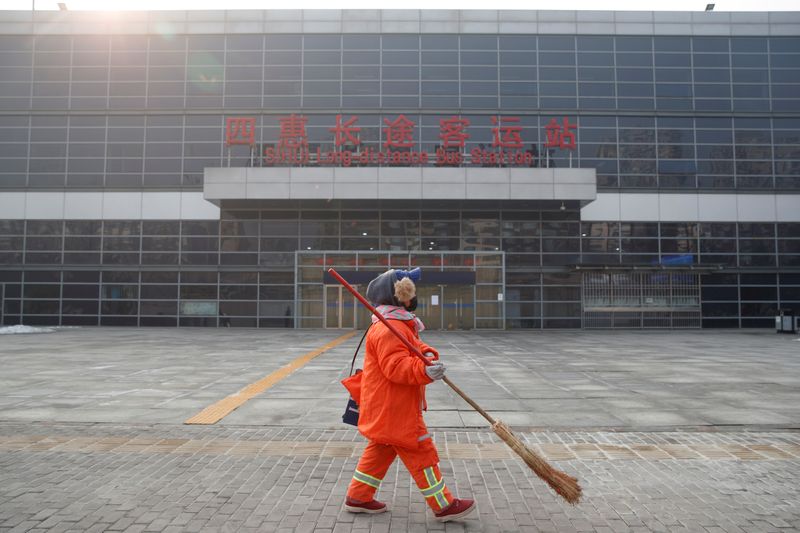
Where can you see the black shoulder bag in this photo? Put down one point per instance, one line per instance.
(353, 383)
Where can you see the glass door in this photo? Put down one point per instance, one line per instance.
(333, 311)
(429, 305)
(449, 307)
(458, 307)
(348, 309)
(340, 308)
(363, 315)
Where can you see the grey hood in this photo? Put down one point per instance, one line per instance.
(380, 290)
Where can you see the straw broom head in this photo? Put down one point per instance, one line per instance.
(565, 485)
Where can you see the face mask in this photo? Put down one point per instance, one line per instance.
(412, 305)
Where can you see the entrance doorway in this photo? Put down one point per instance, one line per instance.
(343, 311)
(446, 307)
(440, 307)
(458, 290)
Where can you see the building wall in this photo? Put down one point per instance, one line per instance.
(692, 121)
(247, 260)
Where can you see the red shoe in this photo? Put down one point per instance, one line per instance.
(454, 511)
(370, 507)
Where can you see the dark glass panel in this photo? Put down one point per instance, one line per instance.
(41, 291)
(639, 246)
(784, 45)
(710, 44)
(789, 229)
(478, 58)
(39, 307)
(760, 76)
(678, 246)
(718, 77)
(400, 42)
(786, 246)
(437, 42)
(672, 60)
(238, 292)
(634, 60)
(561, 59)
(758, 246)
(634, 44)
(717, 229)
(12, 227)
(672, 44)
(81, 291)
(595, 43)
(556, 42)
(758, 279)
(718, 246)
(44, 227)
(82, 243)
(757, 294)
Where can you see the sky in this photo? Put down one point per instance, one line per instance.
(620, 5)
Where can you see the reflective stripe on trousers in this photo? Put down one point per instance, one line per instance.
(367, 479)
(435, 487)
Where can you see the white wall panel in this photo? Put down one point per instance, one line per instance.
(122, 205)
(83, 205)
(717, 207)
(642, 207)
(787, 208)
(462, 182)
(12, 205)
(756, 207)
(694, 207)
(677, 207)
(160, 205)
(44, 205)
(195, 207)
(606, 207)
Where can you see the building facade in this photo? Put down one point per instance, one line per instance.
(547, 169)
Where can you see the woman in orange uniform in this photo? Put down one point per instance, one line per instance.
(391, 404)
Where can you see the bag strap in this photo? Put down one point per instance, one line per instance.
(355, 354)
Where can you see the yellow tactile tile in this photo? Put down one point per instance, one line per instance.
(216, 412)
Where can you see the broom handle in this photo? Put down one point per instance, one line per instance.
(469, 400)
(414, 350)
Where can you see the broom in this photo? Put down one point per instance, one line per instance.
(563, 484)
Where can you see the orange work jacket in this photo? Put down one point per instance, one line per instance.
(393, 387)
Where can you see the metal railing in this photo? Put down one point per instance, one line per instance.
(645, 299)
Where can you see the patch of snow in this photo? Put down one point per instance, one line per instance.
(20, 329)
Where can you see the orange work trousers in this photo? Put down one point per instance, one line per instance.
(422, 463)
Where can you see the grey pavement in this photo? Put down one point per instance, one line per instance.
(667, 431)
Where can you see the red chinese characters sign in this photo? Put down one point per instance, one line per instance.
(240, 130)
(397, 142)
(559, 136)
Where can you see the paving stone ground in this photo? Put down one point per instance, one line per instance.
(666, 431)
